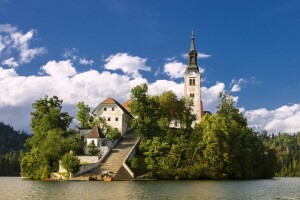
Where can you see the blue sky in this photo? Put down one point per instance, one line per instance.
(250, 48)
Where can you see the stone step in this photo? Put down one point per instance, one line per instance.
(114, 160)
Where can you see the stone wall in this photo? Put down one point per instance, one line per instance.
(88, 159)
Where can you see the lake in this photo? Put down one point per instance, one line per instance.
(277, 188)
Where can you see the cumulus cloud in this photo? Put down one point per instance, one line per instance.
(161, 86)
(18, 92)
(60, 78)
(130, 65)
(59, 69)
(283, 119)
(176, 69)
(15, 45)
(210, 96)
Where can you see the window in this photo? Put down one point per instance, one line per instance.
(108, 119)
(117, 119)
(113, 109)
(192, 95)
(104, 108)
(192, 81)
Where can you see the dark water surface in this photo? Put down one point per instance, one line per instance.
(277, 188)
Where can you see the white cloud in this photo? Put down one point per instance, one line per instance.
(17, 93)
(200, 55)
(84, 61)
(237, 85)
(71, 54)
(16, 44)
(235, 88)
(203, 55)
(170, 59)
(174, 69)
(5, 73)
(283, 119)
(130, 65)
(160, 86)
(10, 62)
(59, 69)
(210, 96)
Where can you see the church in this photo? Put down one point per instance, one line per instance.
(119, 115)
(192, 81)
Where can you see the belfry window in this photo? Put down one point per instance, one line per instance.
(192, 95)
(192, 81)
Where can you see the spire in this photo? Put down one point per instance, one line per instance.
(192, 56)
(192, 42)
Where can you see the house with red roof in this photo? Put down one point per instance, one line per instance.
(116, 115)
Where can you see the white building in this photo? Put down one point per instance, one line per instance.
(192, 81)
(94, 135)
(114, 113)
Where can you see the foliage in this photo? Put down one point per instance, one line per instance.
(50, 139)
(101, 122)
(134, 163)
(83, 115)
(92, 149)
(287, 148)
(71, 163)
(11, 142)
(156, 113)
(220, 147)
(113, 134)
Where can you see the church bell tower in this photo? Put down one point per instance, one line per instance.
(192, 81)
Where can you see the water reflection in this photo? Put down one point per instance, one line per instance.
(279, 188)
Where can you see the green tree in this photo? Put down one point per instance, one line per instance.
(83, 115)
(92, 149)
(71, 163)
(147, 111)
(113, 134)
(101, 122)
(50, 139)
(231, 150)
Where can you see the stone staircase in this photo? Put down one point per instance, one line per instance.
(114, 160)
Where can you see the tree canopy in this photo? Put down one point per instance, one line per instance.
(71, 163)
(222, 146)
(83, 115)
(51, 139)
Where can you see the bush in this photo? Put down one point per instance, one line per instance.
(113, 134)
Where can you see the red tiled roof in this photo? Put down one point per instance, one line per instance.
(113, 101)
(95, 133)
(108, 101)
(126, 105)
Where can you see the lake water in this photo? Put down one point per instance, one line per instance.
(277, 188)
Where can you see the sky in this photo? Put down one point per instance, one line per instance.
(91, 50)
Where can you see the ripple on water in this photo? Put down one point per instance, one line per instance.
(278, 188)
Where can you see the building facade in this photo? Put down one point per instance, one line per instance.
(114, 113)
(192, 81)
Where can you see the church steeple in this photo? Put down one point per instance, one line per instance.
(192, 81)
(192, 42)
(192, 56)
